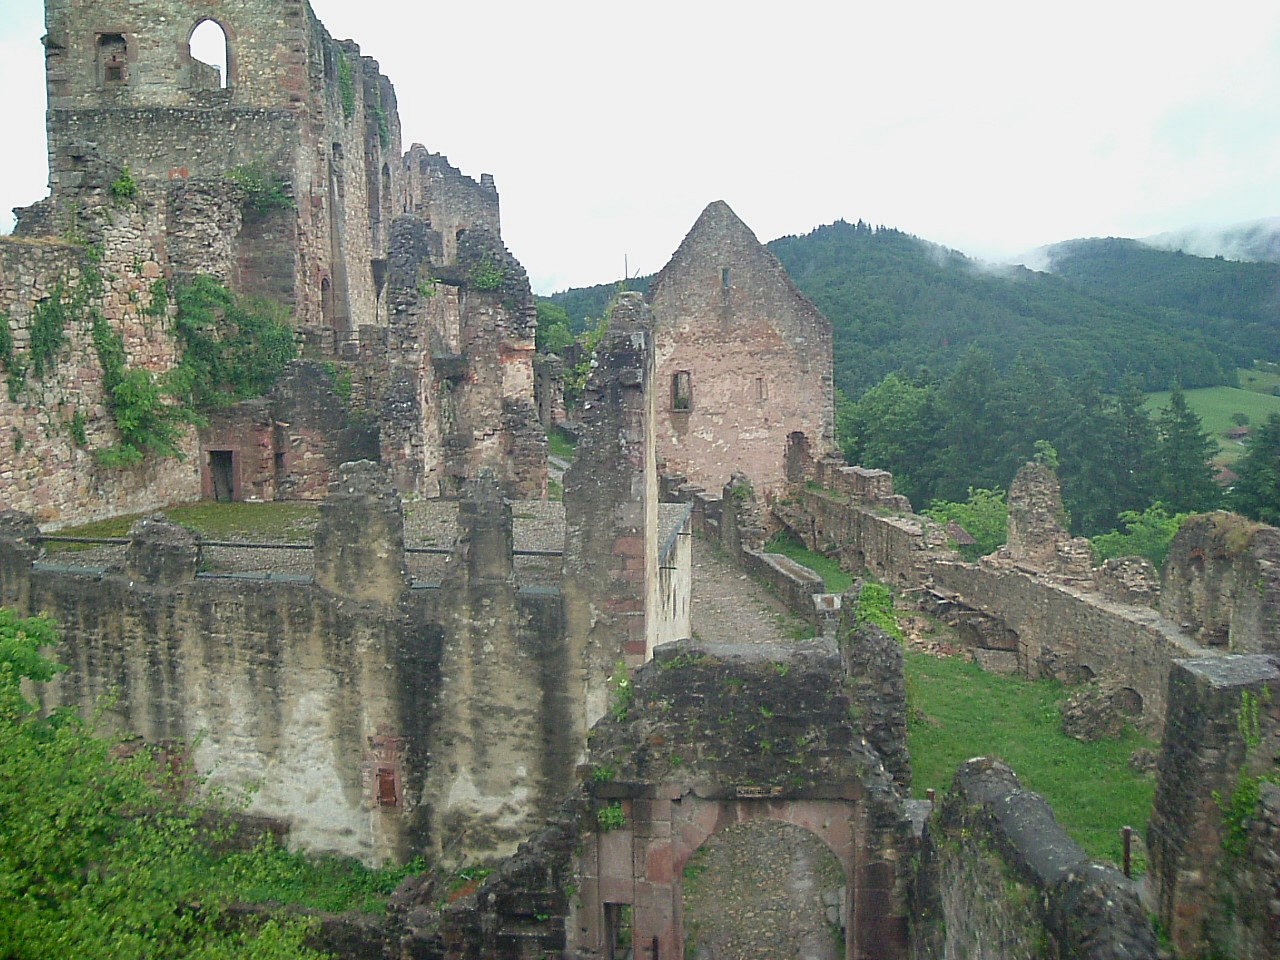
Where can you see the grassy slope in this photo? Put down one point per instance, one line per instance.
(1215, 405)
(959, 711)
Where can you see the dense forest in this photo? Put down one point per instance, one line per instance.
(1110, 308)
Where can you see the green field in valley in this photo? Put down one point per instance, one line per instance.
(1216, 405)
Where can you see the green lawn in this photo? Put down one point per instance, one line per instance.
(958, 711)
(1215, 405)
(1265, 379)
(560, 444)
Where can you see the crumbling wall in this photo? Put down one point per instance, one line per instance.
(611, 513)
(743, 358)
(998, 879)
(1052, 629)
(1211, 826)
(1038, 537)
(1222, 583)
(289, 444)
(451, 202)
(310, 692)
(54, 417)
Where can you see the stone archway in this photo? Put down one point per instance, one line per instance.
(640, 866)
(763, 888)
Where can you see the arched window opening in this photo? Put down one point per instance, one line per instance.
(211, 50)
(113, 59)
(326, 301)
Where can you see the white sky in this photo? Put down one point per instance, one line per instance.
(992, 127)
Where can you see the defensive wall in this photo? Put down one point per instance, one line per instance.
(385, 716)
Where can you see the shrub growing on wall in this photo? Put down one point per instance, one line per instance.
(232, 349)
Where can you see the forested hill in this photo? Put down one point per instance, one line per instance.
(899, 303)
(1239, 303)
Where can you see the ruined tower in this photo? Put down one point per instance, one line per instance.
(744, 359)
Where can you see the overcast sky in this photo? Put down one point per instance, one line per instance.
(990, 127)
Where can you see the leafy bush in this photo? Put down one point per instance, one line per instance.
(125, 187)
(984, 516)
(875, 606)
(1146, 534)
(264, 190)
(100, 856)
(148, 424)
(231, 349)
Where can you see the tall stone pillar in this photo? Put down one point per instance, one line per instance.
(1222, 726)
(359, 542)
(611, 510)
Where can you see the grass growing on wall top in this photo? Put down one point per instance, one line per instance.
(560, 444)
(835, 579)
(959, 711)
(284, 521)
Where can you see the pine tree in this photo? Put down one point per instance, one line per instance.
(1257, 492)
(1183, 451)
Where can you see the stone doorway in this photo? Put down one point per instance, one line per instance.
(222, 472)
(765, 889)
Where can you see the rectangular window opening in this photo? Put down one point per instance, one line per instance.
(724, 278)
(387, 796)
(682, 391)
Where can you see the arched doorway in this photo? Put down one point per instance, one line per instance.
(763, 888)
(210, 48)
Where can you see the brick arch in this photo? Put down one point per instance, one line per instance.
(642, 865)
(229, 78)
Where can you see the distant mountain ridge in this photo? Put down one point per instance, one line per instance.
(1256, 240)
(1109, 307)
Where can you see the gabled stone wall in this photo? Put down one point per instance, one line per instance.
(743, 359)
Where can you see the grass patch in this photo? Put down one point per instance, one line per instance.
(1262, 380)
(288, 522)
(959, 711)
(271, 874)
(555, 489)
(560, 444)
(1215, 405)
(835, 580)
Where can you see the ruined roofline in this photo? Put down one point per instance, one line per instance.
(717, 216)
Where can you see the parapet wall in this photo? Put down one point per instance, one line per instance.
(999, 879)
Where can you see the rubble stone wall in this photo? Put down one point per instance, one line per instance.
(47, 471)
(998, 879)
(743, 358)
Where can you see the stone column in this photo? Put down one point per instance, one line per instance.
(1223, 724)
(611, 509)
(359, 542)
(161, 553)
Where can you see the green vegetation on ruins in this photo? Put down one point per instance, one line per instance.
(278, 521)
(110, 854)
(834, 578)
(957, 711)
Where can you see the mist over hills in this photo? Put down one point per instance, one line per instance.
(1106, 308)
(1257, 240)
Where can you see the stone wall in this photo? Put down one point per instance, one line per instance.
(998, 879)
(287, 445)
(47, 470)
(743, 358)
(611, 512)
(1210, 845)
(1222, 583)
(1038, 627)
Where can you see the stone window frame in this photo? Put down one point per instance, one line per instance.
(681, 391)
(229, 76)
(109, 41)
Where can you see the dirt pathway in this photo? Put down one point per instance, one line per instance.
(730, 607)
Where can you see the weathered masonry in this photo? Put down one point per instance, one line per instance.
(744, 359)
(384, 716)
(279, 175)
